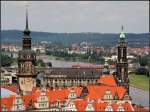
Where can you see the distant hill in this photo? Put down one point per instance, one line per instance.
(106, 39)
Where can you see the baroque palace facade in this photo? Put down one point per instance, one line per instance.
(69, 89)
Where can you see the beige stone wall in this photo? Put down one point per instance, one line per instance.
(26, 84)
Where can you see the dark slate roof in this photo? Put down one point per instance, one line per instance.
(72, 72)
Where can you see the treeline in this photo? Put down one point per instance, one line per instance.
(143, 69)
(98, 39)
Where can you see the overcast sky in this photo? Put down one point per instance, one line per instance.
(77, 16)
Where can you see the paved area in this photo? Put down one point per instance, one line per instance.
(139, 96)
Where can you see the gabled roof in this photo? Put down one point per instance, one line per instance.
(98, 91)
(107, 80)
(100, 106)
(7, 102)
(114, 106)
(26, 100)
(81, 105)
(127, 106)
(54, 95)
(62, 94)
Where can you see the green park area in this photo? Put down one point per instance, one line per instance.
(139, 81)
(51, 57)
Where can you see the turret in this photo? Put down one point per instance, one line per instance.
(106, 68)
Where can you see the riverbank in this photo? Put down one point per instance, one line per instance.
(77, 59)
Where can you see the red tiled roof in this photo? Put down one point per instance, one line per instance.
(54, 95)
(107, 80)
(8, 102)
(100, 106)
(62, 94)
(95, 92)
(98, 91)
(115, 106)
(26, 100)
(80, 105)
(35, 95)
(127, 106)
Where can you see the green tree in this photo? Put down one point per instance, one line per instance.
(40, 63)
(143, 60)
(6, 61)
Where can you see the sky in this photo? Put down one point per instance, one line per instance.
(77, 16)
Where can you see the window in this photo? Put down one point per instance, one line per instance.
(17, 107)
(17, 100)
(120, 109)
(43, 105)
(28, 56)
(21, 64)
(109, 108)
(122, 53)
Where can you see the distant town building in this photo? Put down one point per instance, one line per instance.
(6, 77)
(10, 48)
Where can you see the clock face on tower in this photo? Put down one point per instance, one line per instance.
(26, 84)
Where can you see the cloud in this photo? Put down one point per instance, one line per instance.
(77, 16)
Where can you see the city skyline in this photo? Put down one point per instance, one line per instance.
(73, 17)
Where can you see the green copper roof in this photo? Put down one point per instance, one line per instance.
(122, 35)
(106, 67)
(106, 62)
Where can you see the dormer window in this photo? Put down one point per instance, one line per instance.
(120, 108)
(109, 108)
(108, 95)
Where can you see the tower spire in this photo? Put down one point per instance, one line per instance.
(26, 16)
(122, 27)
(27, 31)
(27, 38)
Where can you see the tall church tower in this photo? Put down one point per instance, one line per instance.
(26, 61)
(122, 63)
